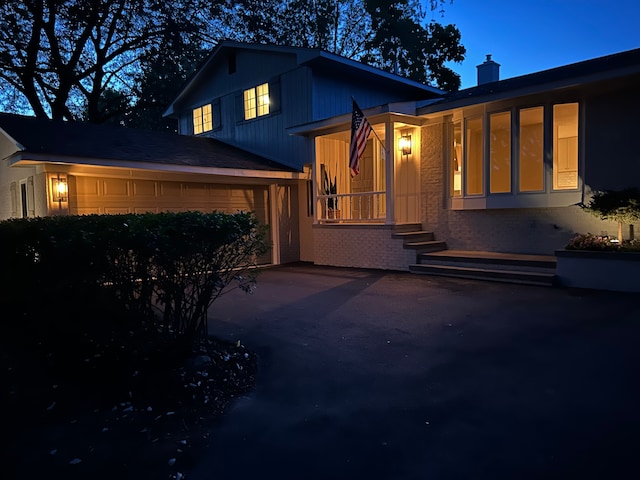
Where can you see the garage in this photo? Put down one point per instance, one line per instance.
(117, 196)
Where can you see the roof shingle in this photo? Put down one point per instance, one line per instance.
(89, 141)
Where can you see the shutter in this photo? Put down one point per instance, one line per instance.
(239, 108)
(14, 199)
(274, 96)
(217, 114)
(31, 198)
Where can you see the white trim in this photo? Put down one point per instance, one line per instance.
(18, 160)
(274, 224)
(390, 178)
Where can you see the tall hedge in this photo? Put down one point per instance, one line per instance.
(161, 271)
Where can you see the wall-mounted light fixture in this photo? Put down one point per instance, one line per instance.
(59, 188)
(404, 144)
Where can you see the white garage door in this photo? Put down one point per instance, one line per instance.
(114, 195)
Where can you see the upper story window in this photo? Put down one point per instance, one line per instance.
(256, 101)
(202, 119)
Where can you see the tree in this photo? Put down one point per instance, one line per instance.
(122, 60)
(402, 44)
(157, 84)
(67, 57)
(622, 206)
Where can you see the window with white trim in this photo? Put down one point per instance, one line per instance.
(515, 157)
(202, 119)
(565, 146)
(256, 101)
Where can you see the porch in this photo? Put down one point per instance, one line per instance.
(387, 188)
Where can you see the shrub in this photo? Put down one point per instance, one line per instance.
(621, 206)
(127, 268)
(588, 241)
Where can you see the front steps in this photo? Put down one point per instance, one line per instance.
(433, 258)
(494, 266)
(417, 239)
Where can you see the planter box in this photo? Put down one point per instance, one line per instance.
(617, 271)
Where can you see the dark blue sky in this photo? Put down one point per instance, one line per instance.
(529, 36)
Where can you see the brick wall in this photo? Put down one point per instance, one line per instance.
(361, 246)
(524, 230)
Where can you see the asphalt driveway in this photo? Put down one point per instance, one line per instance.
(373, 375)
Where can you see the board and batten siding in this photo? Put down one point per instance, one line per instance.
(252, 69)
(332, 94)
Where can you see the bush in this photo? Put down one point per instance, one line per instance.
(588, 241)
(137, 272)
(621, 206)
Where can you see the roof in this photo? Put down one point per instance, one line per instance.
(79, 142)
(313, 57)
(598, 69)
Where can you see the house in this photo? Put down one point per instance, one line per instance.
(500, 167)
(497, 167)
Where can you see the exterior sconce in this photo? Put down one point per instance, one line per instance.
(405, 144)
(59, 189)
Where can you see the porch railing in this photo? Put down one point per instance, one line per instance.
(352, 207)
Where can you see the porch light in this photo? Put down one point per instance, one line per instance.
(59, 188)
(405, 144)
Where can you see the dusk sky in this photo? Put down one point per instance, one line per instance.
(529, 36)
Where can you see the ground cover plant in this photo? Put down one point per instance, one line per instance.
(589, 241)
(107, 368)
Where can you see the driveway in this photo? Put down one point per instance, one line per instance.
(374, 375)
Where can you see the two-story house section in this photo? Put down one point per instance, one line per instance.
(253, 96)
(248, 95)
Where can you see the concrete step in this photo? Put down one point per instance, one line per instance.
(509, 276)
(495, 266)
(495, 260)
(428, 246)
(407, 227)
(416, 236)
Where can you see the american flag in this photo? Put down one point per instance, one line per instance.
(360, 130)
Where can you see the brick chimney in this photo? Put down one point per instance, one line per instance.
(488, 72)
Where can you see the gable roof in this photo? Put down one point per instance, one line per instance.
(313, 57)
(589, 71)
(85, 143)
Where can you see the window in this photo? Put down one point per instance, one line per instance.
(531, 151)
(456, 161)
(500, 152)
(474, 164)
(565, 146)
(256, 101)
(202, 119)
(514, 157)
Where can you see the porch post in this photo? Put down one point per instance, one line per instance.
(389, 165)
(274, 222)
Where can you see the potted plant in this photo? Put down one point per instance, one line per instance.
(330, 189)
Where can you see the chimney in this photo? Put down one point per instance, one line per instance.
(488, 72)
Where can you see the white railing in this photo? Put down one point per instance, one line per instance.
(364, 207)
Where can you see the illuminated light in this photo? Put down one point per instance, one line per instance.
(59, 188)
(404, 144)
